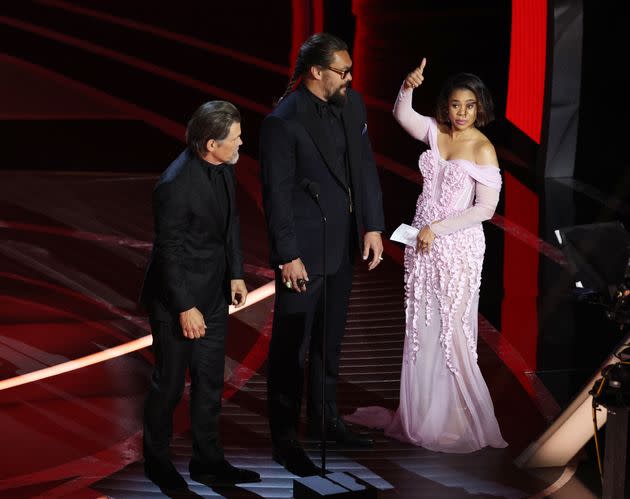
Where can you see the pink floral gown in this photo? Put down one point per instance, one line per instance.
(445, 404)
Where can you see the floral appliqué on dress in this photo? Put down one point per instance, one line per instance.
(444, 277)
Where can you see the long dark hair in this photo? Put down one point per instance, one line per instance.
(467, 81)
(318, 50)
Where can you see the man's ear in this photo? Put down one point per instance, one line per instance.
(210, 145)
(316, 72)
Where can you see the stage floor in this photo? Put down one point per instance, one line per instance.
(73, 251)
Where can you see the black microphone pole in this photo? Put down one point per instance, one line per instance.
(340, 484)
(313, 189)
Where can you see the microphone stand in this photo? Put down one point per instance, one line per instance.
(324, 332)
(341, 485)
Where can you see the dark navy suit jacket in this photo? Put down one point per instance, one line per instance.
(294, 146)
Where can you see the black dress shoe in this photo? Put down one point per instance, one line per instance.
(337, 430)
(221, 473)
(164, 475)
(291, 455)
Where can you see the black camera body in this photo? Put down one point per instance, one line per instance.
(612, 390)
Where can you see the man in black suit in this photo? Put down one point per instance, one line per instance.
(315, 137)
(194, 273)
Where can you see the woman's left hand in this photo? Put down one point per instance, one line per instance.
(425, 239)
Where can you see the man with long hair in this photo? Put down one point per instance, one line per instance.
(314, 148)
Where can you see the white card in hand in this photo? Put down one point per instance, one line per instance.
(405, 234)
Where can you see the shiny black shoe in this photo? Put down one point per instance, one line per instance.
(164, 475)
(291, 455)
(337, 431)
(221, 473)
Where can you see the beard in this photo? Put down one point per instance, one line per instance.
(337, 98)
(233, 159)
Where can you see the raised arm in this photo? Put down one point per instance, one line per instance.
(414, 123)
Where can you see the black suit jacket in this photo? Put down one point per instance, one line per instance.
(293, 147)
(192, 258)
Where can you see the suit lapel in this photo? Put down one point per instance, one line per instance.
(353, 141)
(230, 181)
(316, 130)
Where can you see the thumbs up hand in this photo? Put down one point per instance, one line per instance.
(415, 78)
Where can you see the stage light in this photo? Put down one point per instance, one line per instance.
(253, 297)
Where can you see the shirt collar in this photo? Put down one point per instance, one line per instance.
(213, 170)
(323, 108)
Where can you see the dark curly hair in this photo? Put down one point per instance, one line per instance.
(467, 81)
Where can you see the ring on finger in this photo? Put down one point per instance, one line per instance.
(288, 284)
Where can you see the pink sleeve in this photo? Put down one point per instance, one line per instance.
(486, 199)
(414, 123)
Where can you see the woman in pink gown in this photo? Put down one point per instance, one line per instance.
(445, 404)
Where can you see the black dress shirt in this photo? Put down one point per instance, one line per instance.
(330, 116)
(219, 187)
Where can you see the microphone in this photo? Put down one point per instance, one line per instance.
(311, 187)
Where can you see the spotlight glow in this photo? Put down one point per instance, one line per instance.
(253, 297)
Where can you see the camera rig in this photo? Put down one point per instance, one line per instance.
(599, 257)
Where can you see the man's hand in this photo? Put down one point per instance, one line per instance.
(193, 325)
(425, 239)
(372, 241)
(294, 272)
(415, 78)
(239, 292)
